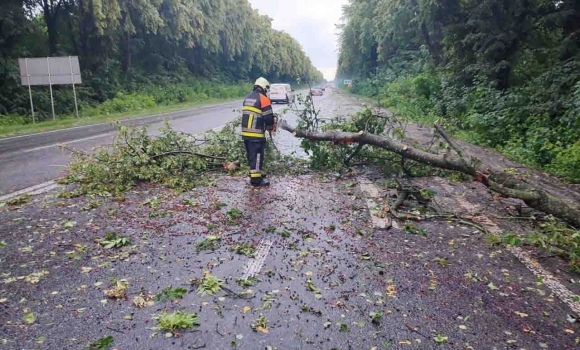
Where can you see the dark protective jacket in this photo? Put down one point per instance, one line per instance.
(257, 116)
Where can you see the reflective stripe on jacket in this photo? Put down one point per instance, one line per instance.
(257, 115)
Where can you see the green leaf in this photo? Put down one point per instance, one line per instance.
(29, 318)
(101, 344)
(70, 224)
(440, 339)
(170, 294)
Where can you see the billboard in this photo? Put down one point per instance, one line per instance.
(50, 71)
(347, 82)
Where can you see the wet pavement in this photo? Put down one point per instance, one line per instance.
(325, 278)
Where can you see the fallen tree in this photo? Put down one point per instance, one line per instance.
(499, 181)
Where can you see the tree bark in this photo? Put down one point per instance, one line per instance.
(501, 182)
(50, 14)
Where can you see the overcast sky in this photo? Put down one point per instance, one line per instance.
(312, 23)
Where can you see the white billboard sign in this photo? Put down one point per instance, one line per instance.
(50, 71)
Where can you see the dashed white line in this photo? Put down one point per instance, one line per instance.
(68, 142)
(533, 265)
(255, 265)
(371, 191)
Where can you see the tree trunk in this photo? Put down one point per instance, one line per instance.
(126, 45)
(501, 182)
(126, 52)
(50, 13)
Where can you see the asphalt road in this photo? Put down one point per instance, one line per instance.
(33, 159)
(325, 274)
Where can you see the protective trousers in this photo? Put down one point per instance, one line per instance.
(255, 153)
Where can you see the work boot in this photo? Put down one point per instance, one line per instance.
(262, 183)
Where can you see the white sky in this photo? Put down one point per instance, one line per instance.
(312, 23)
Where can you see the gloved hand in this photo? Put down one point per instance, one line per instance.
(272, 128)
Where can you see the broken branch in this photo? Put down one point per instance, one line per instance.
(501, 182)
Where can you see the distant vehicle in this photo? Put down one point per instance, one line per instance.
(317, 91)
(282, 93)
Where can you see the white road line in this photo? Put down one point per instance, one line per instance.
(533, 265)
(371, 191)
(33, 190)
(255, 265)
(121, 121)
(50, 185)
(68, 142)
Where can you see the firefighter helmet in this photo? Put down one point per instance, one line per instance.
(263, 83)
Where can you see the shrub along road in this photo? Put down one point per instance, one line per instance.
(295, 266)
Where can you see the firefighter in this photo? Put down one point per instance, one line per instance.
(258, 117)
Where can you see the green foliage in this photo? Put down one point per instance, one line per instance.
(247, 249)
(101, 344)
(510, 81)
(173, 159)
(114, 241)
(208, 243)
(176, 321)
(168, 293)
(376, 317)
(248, 282)
(234, 215)
(139, 54)
(567, 163)
(260, 324)
(411, 228)
(554, 236)
(209, 285)
(20, 200)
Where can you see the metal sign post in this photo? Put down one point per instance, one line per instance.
(29, 90)
(50, 71)
(72, 78)
(50, 85)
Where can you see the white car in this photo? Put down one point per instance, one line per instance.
(282, 93)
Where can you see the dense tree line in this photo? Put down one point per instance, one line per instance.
(130, 44)
(506, 73)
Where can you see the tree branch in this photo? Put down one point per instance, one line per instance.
(498, 181)
(188, 153)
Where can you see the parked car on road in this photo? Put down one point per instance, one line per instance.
(316, 92)
(282, 93)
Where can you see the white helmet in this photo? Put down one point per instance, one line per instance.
(263, 83)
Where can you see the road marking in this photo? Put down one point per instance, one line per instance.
(31, 191)
(255, 265)
(68, 142)
(50, 185)
(371, 192)
(524, 257)
(121, 121)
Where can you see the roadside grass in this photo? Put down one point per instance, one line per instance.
(68, 121)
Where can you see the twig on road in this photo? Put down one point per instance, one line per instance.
(416, 331)
(115, 330)
(217, 330)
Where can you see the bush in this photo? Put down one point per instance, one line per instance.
(125, 103)
(567, 163)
